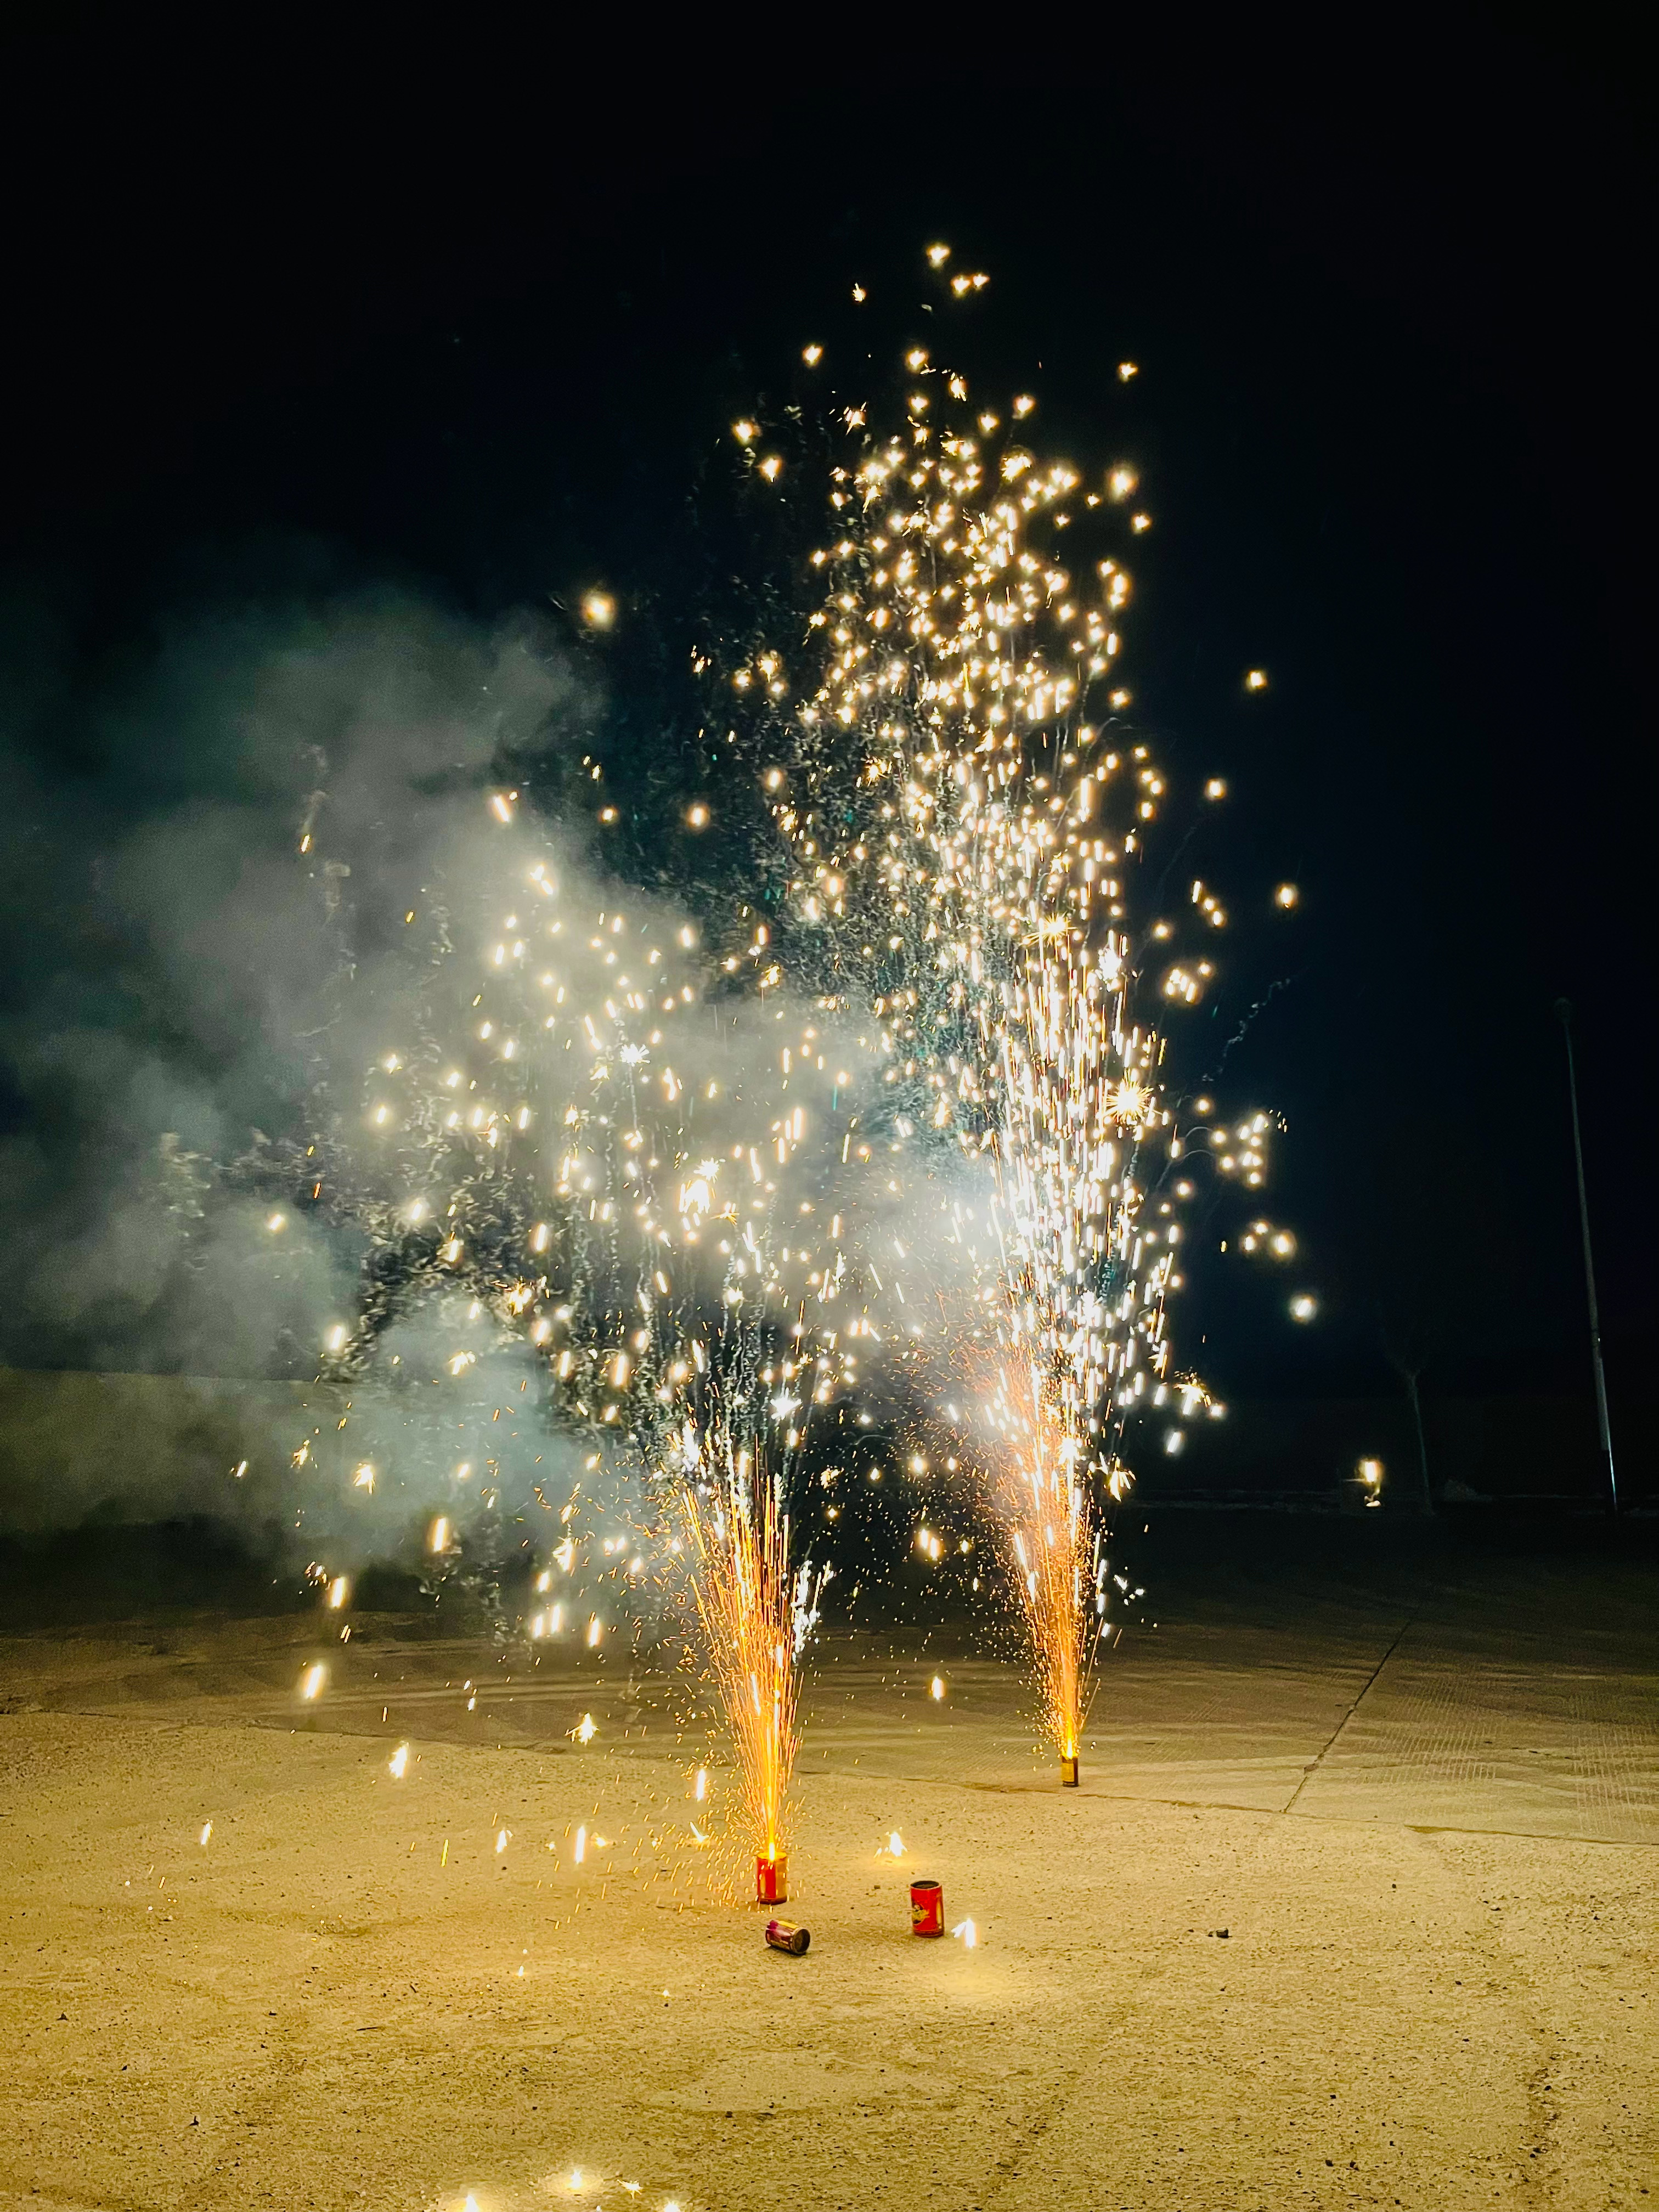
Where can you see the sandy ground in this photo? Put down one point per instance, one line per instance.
(1355, 1907)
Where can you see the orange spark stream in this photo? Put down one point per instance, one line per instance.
(736, 1535)
(1047, 1509)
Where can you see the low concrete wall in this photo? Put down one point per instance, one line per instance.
(1503, 1448)
(136, 1448)
(129, 1449)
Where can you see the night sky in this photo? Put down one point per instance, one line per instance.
(291, 322)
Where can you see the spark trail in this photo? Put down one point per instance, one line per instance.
(692, 1180)
(966, 812)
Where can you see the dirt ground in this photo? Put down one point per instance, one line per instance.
(1355, 1907)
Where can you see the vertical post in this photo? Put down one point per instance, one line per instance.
(1413, 1393)
(1564, 1013)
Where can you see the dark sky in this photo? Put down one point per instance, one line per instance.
(306, 314)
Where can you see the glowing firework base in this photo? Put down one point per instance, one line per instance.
(1069, 1771)
(772, 1878)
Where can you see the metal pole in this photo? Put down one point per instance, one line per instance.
(1564, 1011)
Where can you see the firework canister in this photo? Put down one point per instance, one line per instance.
(927, 1908)
(784, 1935)
(1068, 1773)
(772, 1879)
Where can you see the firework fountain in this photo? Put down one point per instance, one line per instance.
(966, 812)
(554, 1158)
(756, 1603)
(686, 1177)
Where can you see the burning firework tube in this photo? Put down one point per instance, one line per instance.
(784, 1935)
(1069, 1772)
(926, 1908)
(772, 1879)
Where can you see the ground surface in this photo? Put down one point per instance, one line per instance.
(1355, 1907)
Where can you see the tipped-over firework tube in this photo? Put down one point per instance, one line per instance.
(926, 1908)
(772, 1879)
(1068, 1773)
(784, 1935)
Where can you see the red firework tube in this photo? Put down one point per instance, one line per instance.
(1068, 1773)
(785, 1936)
(927, 1908)
(772, 1879)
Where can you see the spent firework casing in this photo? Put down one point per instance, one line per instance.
(772, 1879)
(785, 1936)
(926, 1908)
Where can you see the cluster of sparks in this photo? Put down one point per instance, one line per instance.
(965, 813)
(681, 1176)
(756, 1606)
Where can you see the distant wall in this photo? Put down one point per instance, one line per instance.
(130, 1448)
(1505, 1447)
(136, 1448)
(127, 1450)
(1517, 1446)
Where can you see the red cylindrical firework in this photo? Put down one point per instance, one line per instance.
(1069, 1772)
(927, 1908)
(785, 1936)
(772, 1879)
